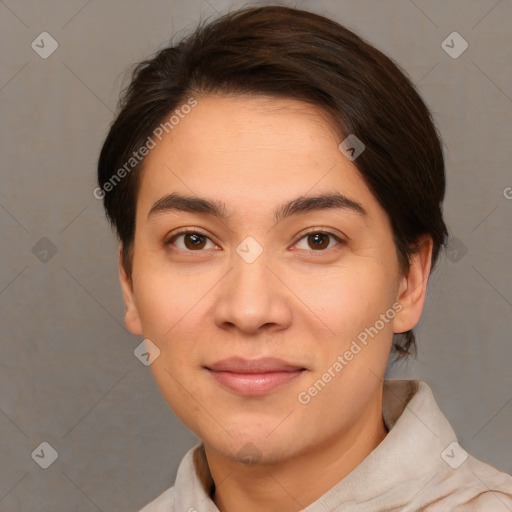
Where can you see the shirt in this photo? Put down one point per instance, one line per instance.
(418, 467)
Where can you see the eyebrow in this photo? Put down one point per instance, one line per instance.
(215, 208)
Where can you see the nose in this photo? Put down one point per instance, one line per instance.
(252, 296)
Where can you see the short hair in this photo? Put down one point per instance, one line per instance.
(284, 52)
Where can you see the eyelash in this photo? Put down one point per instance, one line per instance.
(171, 239)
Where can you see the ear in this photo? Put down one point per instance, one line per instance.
(131, 315)
(413, 287)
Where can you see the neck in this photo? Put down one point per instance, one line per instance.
(288, 486)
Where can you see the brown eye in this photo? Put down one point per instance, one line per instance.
(319, 240)
(192, 241)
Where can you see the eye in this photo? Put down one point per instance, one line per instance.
(192, 240)
(319, 240)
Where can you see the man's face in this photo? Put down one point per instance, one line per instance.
(252, 286)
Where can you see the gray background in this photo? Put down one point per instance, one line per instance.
(68, 375)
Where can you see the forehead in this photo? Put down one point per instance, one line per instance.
(252, 122)
(251, 151)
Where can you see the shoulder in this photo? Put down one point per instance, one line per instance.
(163, 503)
(474, 487)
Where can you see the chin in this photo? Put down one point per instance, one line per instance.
(255, 447)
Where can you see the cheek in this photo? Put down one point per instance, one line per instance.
(166, 301)
(170, 306)
(346, 299)
(179, 393)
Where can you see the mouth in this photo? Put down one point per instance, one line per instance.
(254, 377)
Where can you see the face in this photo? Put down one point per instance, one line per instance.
(299, 285)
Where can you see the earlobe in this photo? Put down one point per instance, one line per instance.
(131, 316)
(413, 287)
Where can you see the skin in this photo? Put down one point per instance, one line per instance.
(295, 301)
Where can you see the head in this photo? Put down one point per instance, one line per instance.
(297, 247)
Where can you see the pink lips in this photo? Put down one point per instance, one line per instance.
(254, 377)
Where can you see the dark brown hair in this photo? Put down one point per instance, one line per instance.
(291, 53)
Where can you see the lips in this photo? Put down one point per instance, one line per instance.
(256, 376)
